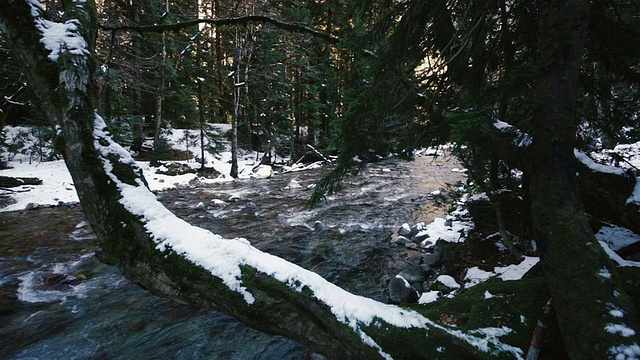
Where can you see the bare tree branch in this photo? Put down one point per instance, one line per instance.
(229, 21)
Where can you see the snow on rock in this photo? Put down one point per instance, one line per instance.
(429, 297)
(293, 184)
(501, 125)
(448, 281)
(617, 313)
(604, 273)
(617, 237)
(617, 258)
(517, 271)
(159, 182)
(475, 276)
(493, 331)
(635, 195)
(588, 162)
(441, 229)
(404, 230)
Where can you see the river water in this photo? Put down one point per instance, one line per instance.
(46, 314)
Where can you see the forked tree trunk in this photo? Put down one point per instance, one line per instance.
(577, 269)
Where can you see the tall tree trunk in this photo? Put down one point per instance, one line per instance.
(138, 122)
(202, 124)
(218, 62)
(155, 155)
(236, 106)
(577, 269)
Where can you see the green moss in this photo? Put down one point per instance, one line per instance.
(513, 302)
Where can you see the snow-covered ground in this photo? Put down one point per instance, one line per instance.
(57, 186)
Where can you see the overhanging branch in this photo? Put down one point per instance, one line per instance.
(229, 21)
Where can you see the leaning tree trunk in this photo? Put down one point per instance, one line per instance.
(578, 271)
(169, 257)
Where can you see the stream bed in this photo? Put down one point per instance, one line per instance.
(57, 301)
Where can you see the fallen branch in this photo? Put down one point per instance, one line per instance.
(10, 182)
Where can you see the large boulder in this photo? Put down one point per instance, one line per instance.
(604, 191)
(513, 208)
(400, 291)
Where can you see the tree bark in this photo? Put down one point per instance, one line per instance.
(577, 269)
(236, 106)
(155, 155)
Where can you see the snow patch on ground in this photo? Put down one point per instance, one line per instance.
(448, 281)
(58, 188)
(475, 275)
(429, 297)
(620, 329)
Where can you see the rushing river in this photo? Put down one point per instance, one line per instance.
(45, 314)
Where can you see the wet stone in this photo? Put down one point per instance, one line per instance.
(412, 274)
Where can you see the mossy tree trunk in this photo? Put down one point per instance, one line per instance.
(577, 269)
(101, 170)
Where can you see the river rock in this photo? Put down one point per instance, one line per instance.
(400, 240)
(426, 269)
(319, 226)
(417, 228)
(62, 280)
(174, 169)
(404, 230)
(217, 203)
(418, 287)
(412, 274)
(31, 206)
(399, 265)
(420, 236)
(432, 259)
(414, 260)
(400, 291)
(293, 184)
(412, 246)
